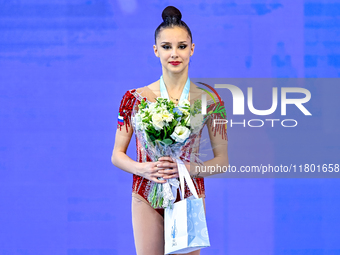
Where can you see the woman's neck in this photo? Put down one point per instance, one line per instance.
(175, 81)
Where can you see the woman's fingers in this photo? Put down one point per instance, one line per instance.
(168, 171)
(171, 176)
(164, 173)
(162, 169)
(166, 165)
(156, 180)
(157, 174)
(166, 162)
(155, 170)
(166, 159)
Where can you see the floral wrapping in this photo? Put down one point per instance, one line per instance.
(140, 185)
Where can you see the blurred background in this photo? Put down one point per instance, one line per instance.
(64, 67)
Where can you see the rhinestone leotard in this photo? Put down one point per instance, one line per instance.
(141, 185)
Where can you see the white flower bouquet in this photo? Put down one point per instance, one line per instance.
(163, 130)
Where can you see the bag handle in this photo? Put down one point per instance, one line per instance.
(184, 174)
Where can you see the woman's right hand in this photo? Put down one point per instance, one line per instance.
(149, 170)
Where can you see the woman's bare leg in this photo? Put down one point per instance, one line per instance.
(148, 228)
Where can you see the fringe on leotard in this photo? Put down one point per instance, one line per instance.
(125, 109)
(220, 128)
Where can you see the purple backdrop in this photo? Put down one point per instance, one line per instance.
(64, 67)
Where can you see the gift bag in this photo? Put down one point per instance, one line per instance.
(185, 227)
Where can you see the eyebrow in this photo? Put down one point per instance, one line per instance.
(178, 42)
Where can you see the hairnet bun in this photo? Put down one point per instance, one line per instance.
(171, 15)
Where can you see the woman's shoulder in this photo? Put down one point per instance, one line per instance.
(152, 86)
(133, 91)
(149, 91)
(198, 92)
(140, 92)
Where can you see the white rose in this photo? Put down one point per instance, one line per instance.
(164, 107)
(152, 108)
(167, 116)
(180, 134)
(196, 121)
(184, 102)
(157, 121)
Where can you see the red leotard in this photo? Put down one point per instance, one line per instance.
(140, 185)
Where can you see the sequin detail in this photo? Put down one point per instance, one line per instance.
(125, 109)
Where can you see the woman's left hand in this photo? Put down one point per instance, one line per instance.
(169, 166)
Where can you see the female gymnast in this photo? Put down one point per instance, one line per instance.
(174, 47)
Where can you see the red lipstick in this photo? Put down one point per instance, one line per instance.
(175, 63)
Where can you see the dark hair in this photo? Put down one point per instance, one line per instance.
(172, 17)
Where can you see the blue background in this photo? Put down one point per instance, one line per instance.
(64, 67)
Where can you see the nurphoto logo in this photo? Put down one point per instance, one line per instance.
(239, 105)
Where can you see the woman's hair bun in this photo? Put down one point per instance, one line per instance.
(171, 15)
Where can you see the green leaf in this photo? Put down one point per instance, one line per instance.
(152, 138)
(164, 136)
(167, 141)
(174, 123)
